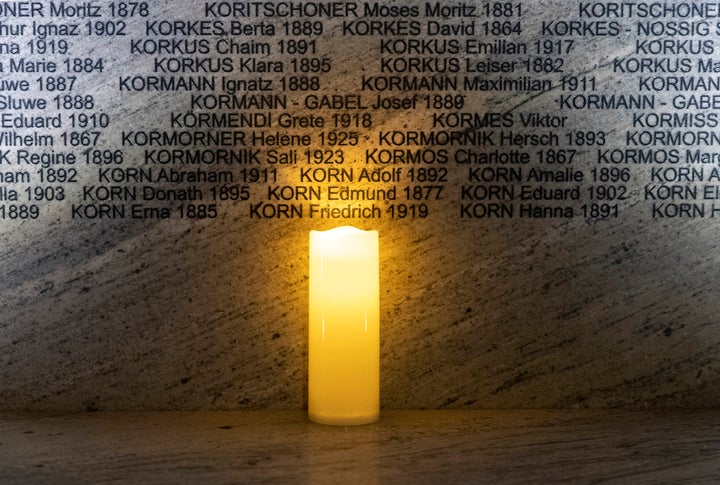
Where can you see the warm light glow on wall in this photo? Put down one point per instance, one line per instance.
(344, 333)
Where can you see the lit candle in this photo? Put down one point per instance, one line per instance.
(344, 334)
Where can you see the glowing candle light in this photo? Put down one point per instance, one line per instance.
(344, 334)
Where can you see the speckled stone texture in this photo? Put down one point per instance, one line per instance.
(481, 313)
(426, 447)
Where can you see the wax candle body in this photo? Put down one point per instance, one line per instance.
(344, 327)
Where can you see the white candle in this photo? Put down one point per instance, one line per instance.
(344, 327)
